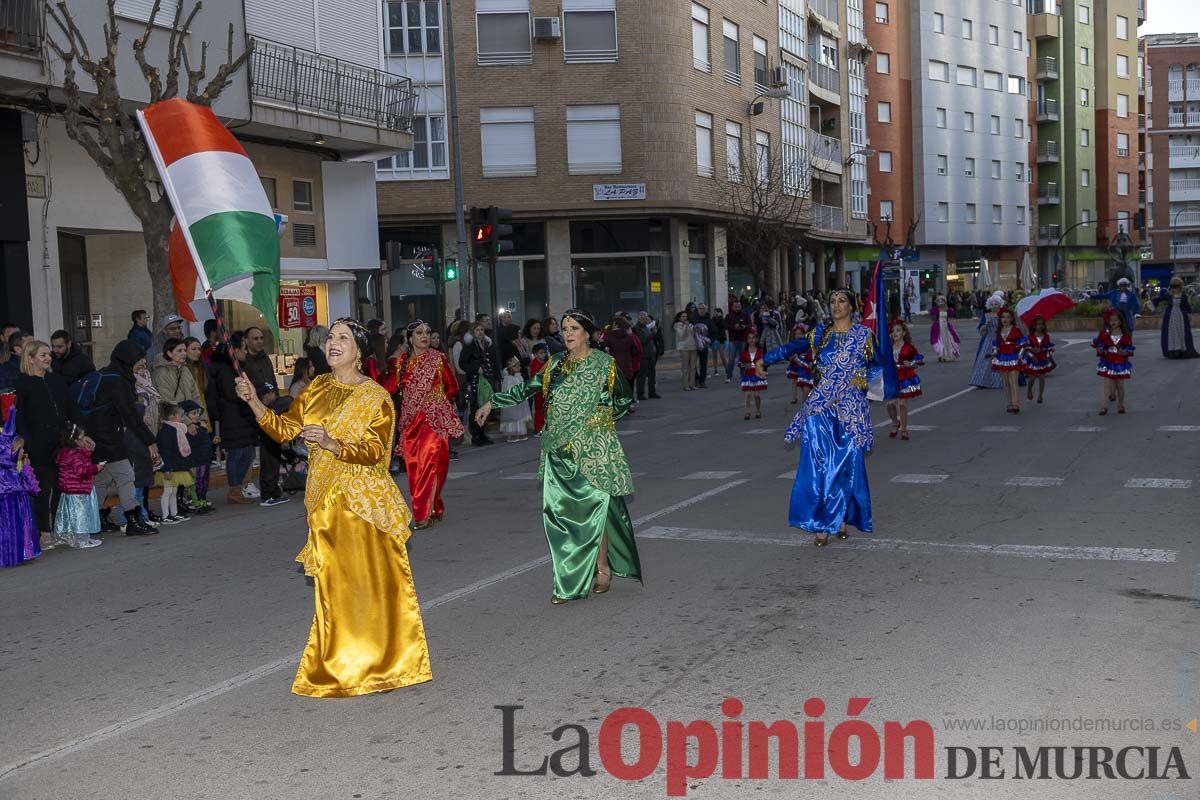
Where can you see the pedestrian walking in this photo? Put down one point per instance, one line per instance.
(1008, 355)
(1039, 358)
(1114, 346)
(907, 359)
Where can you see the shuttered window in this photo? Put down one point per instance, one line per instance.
(502, 29)
(140, 10)
(700, 57)
(507, 138)
(593, 140)
(589, 31)
(704, 144)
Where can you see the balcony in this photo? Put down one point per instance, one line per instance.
(1184, 155)
(1047, 195)
(1046, 69)
(1047, 111)
(1049, 233)
(828, 218)
(1175, 89)
(1184, 189)
(21, 25)
(1189, 120)
(1192, 87)
(1141, 11)
(356, 108)
(1047, 152)
(824, 81)
(1045, 19)
(1185, 249)
(1186, 219)
(826, 152)
(825, 8)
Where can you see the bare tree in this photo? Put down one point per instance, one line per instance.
(770, 205)
(105, 128)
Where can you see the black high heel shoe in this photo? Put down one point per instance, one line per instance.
(821, 541)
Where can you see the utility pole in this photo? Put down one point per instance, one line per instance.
(464, 255)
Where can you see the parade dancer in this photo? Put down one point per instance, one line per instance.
(799, 369)
(19, 540)
(982, 374)
(1039, 357)
(908, 383)
(834, 426)
(1008, 349)
(428, 422)
(367, 635)
(752, 383)
(1114, 346)
(586, 476)
(942, 335)
(1177, 323)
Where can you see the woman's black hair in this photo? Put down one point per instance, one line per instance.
(361, 337)
(171, 344)
(67, 436)
(300, 369)
(581, 317)
(167, 409)
(684, 314)
(527, 330)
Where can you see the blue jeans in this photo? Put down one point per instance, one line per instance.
(733, 351)
(237, 464)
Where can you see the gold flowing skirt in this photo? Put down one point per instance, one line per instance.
(367, 635)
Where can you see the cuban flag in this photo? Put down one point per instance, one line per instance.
(881, 372)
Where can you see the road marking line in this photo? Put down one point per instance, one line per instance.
(934, 404)
(869, 542)
(1087, 429)
(250, 676)
(521, 476)
(709, 476)
(922, 427)
(912, 477)
(1179, 428)
(761, 431)
(690, 433)
(627, 433)
(1158, 483)
(1027, 481)
(788, 475)
(999, 429)
(453, 476)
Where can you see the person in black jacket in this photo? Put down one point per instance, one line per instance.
(42, 401)
(106, 415)
(649, 333)
(478, 360)
(69, 361)
(234, 427)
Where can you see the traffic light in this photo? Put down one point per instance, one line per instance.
(498, 232)
(450, 270)
(1054, 280)
(481, 234)
(927, 275)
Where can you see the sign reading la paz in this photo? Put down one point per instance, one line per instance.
(618, 191)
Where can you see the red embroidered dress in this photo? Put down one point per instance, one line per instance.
(427, 423)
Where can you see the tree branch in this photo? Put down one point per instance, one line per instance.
(177, 47)
(221, 79)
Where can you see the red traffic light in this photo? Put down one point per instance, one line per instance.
(483, 233)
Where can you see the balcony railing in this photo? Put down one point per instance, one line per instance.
(1041, 7)
(1184, 185)
(1049, 233)
(1185, 219)
(1184, 155)
(825, 148)
(1185, 249)
(826, 8)
(1047, 194)
(824, 76)
(21, 25)
(1047, 68)
(320, 84)
(1175, 89)
(1047, 110)
(1180, 120)
(1123, 152)
(1047, 152)
(828, 218)
(1193, 88)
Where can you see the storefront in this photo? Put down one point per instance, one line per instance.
(519, 283)
(622, 265)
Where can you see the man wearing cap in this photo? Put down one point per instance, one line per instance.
(261, 371)
(171, 328)
(1124, 300)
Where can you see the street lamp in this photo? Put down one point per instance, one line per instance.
(756, 107)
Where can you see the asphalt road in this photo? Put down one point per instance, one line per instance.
(1041, 569)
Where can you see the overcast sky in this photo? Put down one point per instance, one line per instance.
(1171, 16)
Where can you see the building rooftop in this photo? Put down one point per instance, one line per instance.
(1170, 39)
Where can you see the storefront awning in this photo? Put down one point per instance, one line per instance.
(1098, 254)
(862, 253)
(316, 275)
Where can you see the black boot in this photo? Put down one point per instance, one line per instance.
(106, 524)
(135, 526)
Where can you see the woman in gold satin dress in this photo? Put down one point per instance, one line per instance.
(367, 635)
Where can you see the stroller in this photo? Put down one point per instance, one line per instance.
(294, 466)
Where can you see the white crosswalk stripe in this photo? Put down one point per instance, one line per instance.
(913, 477)
(762, 431)
(999, 429)
(1158, 483)
(786, 476)
(627, 433)
(1179, 428)
(1031, 481)
(521, 476)
(922, 428)
(691, 432)
(453, 476)
(710, 476)
(1087, 429)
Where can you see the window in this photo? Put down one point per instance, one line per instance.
(1017, 39)
(885, 161)
(939, 23)
(885, 209)
(1123, 183)
(507, 142)
(1021, 214)
(1085, 137)
(940, 117)
(1085, 217)
(1084, 97)
(1123, 220)
(966, 75)
(428, 153)
(593, 140)
(968, 29)
(883, 63)
(993, 35)
(302, 195)
(1083, 55)
(943, 212)
(762, 146)
(1085, 15)
(997, 215)
(1122, 66)
(268, 185)
(140, 10)
(971, 212)
(991, 80)
(503, 37)
(881, 13)
(939, 71)
(942, 165)
(761, 78)
(995, 170)
(883, 111)
(1016, 84)
(700, 58)
(412, 27)
(969, 169)
(968, 121)
(1122, 28)
(733, 150)
(1123, 144)
(589, 31)
(1020, 171)
(729, 50)
(1122, 105)
(1085, 177)
(995, 125)
(704, 144)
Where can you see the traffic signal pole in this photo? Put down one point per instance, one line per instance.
(464, 254)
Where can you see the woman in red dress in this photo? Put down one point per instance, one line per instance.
(427, 421)
(1008, 350)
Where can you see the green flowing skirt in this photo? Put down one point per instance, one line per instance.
(577, 516)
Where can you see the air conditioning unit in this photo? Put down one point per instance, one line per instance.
(546, 28)
(778, 77)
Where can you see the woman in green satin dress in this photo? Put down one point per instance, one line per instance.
(586, 476)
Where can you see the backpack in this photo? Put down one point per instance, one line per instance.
(84, 390)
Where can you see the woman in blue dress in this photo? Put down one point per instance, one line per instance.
(989, 323)
(834, 425)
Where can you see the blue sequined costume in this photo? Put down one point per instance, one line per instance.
(834, 428)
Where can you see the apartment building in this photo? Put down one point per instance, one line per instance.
(1172, 158)
(73, 255)
(1086, 88)
(950, 123)
(614, 131)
